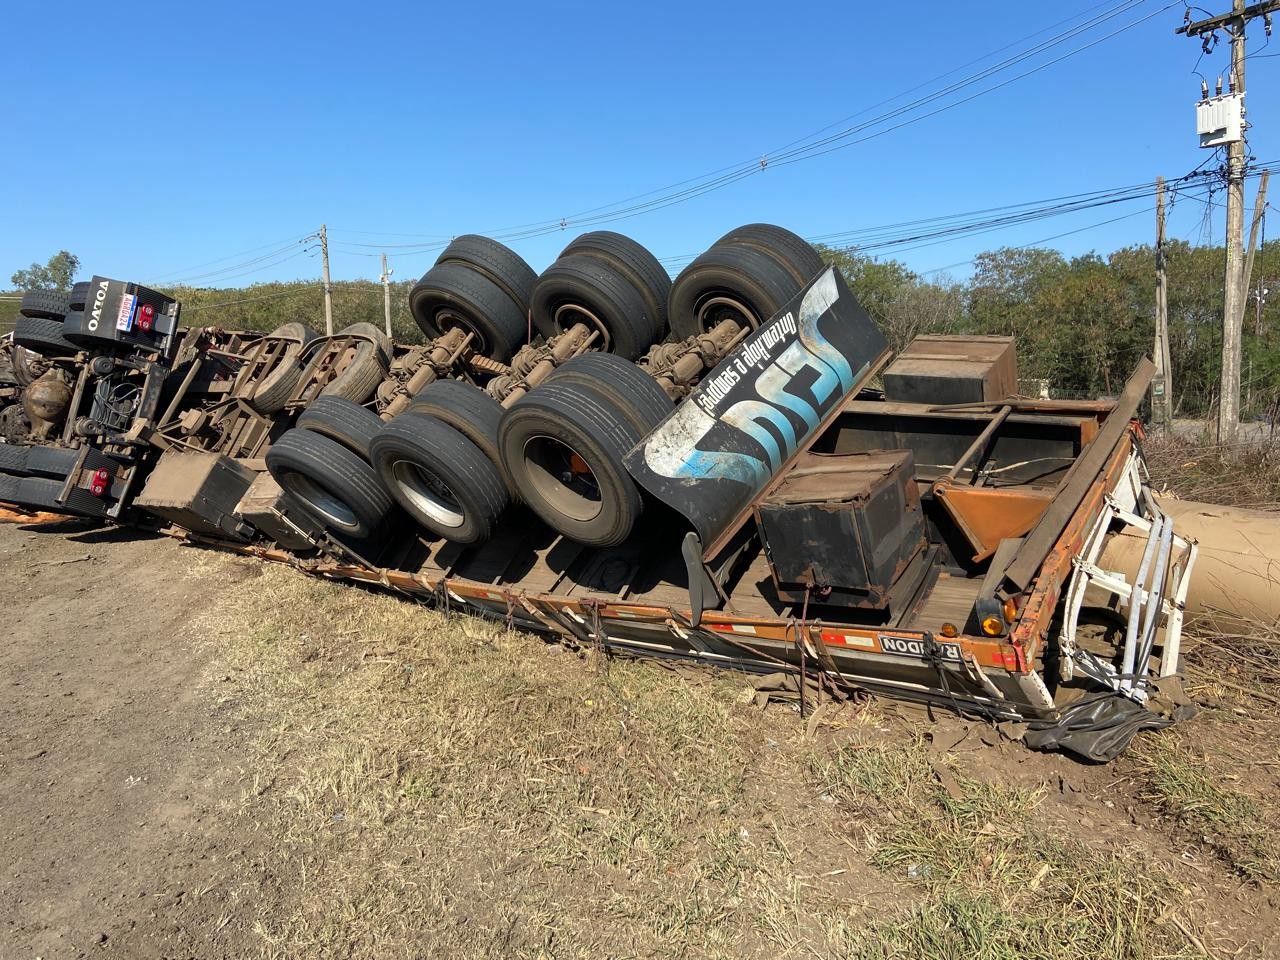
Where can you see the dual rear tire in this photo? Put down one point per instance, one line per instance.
(480, 286)
(748, 276)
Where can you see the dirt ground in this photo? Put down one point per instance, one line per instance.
(204, 756)
(119, 762)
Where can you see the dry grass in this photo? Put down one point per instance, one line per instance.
(1215, 778)
(442, 787)
(1245, 474)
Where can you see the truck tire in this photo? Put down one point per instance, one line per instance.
(633, 393)
(470, 411)
(330, 482)
(13, 459)
(8, 489)
(386, 348)
(340, 419)
(638, 265)
(793, 252)
(583, 287)
(729, 282)
(273, 390)
(43, 336)
(57, 462)
(78, 296)
(442, 479)
(499, 263)
(453, 294)
(366, 370)
(563, 446)
(43, 305)
(42, 493)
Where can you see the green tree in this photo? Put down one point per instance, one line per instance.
(57, 274)
(901, 304)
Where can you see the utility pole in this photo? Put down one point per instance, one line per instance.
(1234, 287)
(386, 293)
(1259, 209)
(1162, 382)
(328, 287)
(1259, 301)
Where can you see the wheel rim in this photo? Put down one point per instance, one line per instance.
(718, 307)
(430, 495)
(447, 320)
(568, 315)
(562, 478)
(333, 510)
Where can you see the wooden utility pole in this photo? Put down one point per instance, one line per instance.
(328, 287)
(1234, 293)
(386, 293)
(1162, 382)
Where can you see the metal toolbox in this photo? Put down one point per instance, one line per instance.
(198, 491)
(843, 527)
(938, 369)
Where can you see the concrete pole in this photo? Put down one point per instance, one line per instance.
(386, 293)
(328, 287)
(1234, 293)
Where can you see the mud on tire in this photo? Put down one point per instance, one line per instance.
(273, 390)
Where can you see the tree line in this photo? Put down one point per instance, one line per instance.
(1082, 323)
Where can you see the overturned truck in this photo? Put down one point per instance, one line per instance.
(729, 468)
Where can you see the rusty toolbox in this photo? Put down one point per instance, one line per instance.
(939, 369)
(843, 527)
(198, 491)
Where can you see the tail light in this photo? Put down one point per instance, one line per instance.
(100, 483)
(146, 318)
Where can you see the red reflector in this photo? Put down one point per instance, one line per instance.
(1010, 659)
(146, 317)
(99, 482)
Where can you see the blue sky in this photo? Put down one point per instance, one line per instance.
(156, 138)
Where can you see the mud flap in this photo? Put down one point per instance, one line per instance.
(1100, 726)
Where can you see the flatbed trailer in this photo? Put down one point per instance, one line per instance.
(936, 550)
(634, 599)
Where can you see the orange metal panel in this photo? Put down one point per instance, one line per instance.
(987, 515)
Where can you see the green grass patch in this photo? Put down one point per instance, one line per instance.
(994, 882)
(1238, 826)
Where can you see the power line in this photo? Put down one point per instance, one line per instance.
(1034, 243)
(232, 256)
(231, 303)
(809, 148)
(239, 269)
